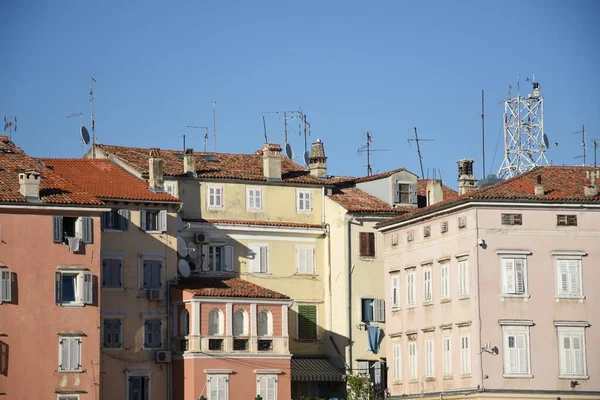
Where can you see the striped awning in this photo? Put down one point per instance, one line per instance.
(315, 369)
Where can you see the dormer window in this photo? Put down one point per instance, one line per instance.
(405, 193)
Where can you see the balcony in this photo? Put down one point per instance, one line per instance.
(231, 344)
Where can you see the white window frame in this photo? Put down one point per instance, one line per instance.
(463, 278)
(514, 330)
(221, 331)
(447, 354)
(67, 396)
(397, 361)
(310, 253)
(84, 287)
(70, 340)
(427, 284)
(569, 256)
(445, 281)
(429, 357)
(269, 322)
(256, 255)
(465, 353)
(163, 336)
(254, 193)
(161, 220)
(413, 360)
(510, 282)
(171, 188)
(217, 196)
(5, 285)
(227, 257)
(122, 339)
(259, 378)
(147, 257)
(571, 332)
(395, 290)
(301, 206)
(411, 286)
(209, 388)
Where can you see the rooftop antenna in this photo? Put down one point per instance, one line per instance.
(582, 131)
(367, 149)
(93, 125)
(83, 132)
(205, 135)
(595, 146)
(416, 139)
(306, 129)
(265, 129)
(524, 143)
(287, 115)
(214, 104)
(10, 125)
(483, 132)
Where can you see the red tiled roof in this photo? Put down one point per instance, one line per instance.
(341, 180)
(104, 179)
(257, 223)
(227, 287)
(380, 176)
(213, 165)
(561, 185)
(357, 200)
(54, 189)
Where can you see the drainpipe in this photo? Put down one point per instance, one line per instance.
(480, 353)
(169, 334)
(349, 289)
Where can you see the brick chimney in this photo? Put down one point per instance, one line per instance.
(466, 179)
(271, 154)
(156, 178)
(317, 160)
(189, 163)
(29, 185)
(591, 190)
(435, 194)
(538, 188)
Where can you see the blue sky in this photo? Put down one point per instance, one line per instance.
(382, 67)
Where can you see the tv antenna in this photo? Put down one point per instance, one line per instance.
(595, 146)
(417, 140)
(306, 132)
(582, 131)
(367, 149)
(214, 104)
(265, 129)
(10, 125)
(287, 115)
(93, 125)
(205, 135)
(483, 132)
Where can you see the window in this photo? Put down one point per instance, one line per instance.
(566, 220)
(572, 360)
(5, 285)
(444, 227)
(152, 274)
(568, 278)
(66, 229)
(410, 236)
(374, 370)
(397, 362)
(112, 333)
(463, 278)
(303, 200)
(394, 291)
(215, 323)
(305, 260)
(372, 310)
(138, 388)
(367, 244)
(254, 198)
(259, 257)
(215, 197)
(240, 323)
(410, 288)
(112, 273)
(429, 359)
(115, 220)
(218, 258)
(171, 188)
(264, 326)
(447, 354)
(69, 354)
(67, 397)
(73, 287)
(153, 220)
(427, 285)
(395, 239)
(427, 231)
(153, 333)
(307, 322)
(512, 219)
(184, 328)
(445, 281)
(462, 222)
(516, 351)
(412, 359)
(267, 387)
(465, 354)
(218, 387)
(405, 193)
(514, 276)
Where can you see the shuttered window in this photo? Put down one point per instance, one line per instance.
(5, 285)
(112, 333)
(405, 193)
(218, 387)
(153, 220)
(463, 278)
(70, 227)
(214, 198)
(367, 244)
(307, 322)
(512, 219)
(394, 291)
(566, 220)
(305, 260)
(71, 287)
(152, 274)
(267, 387)
(115, 220)
(413, 368)
(572, 352)
(568, 273)
(514, 276)
(153, 333)
(254, 197)
(259, 256)
(138, 388)
(397, 362)
(410, 288)
(112, 272)
(69, 354)
(303, 200)
(445, 281)
(427, 285)
(447, 355)
(429, 358)
(465, 354)
(219, 258)
(516, 353)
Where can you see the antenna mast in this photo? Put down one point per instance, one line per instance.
(595, 146)
(367, 149)
(416, 139)
(10, 125)
(287, 115)
(483, 132)
(205, 134)
(524, 144)
(214, 104)
(582, 131)
(92, 80)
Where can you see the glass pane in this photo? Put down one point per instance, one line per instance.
(68, 288)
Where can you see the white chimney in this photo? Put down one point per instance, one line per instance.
(538, 188)
(591, 190)
(317, 160)
(156, 176)
(189, 163)
(466, 179)
(271, 154)
(29, 185)
(435, 194)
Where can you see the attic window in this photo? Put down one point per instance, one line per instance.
(427, 231)
(405, 193)
(566, 220)
(209, 157)
(512, 219)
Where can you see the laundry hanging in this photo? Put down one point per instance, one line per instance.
(373, 334)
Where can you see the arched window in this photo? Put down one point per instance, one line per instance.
(185, 323)
(240, 324)
(264, 324)
(214, 322)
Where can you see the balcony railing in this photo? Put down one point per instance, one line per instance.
(231, 344)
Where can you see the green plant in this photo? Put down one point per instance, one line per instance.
(359, 387)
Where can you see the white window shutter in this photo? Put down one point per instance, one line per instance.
(520, 275)
(522, 352)
(75, 350)
(413, 193)
(258, 199)
(508, 267)
(577, 354)
(308, 201)
(124, 220)
(222, 388)
(162, 220)
(228, 258)
(311, 261)
(88, 288)
(264, 259)
(379, 310)
(64, 354)
(250, 195)
(254, 259)
(5, 285)
(205, 266)
(447, 355)
(567, 355)
(574, 277)
(300, 261)
(143, 219)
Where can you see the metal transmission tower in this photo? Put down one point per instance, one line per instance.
(525, 143)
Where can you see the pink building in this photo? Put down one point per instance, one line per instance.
(49, 269)
(230, 339)
(491, 293)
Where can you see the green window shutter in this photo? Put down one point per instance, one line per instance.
(307, 322)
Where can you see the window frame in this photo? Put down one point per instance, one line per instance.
(427, 284)
(427, 231)
(122, 215)
(505, 259)
(410, 235)
(465, 286)
(411, 288)
(445, 282)
(146, 378)
(245, 330)
(251, 198)
(568, 256)
(69, 339)
(83, 287)
(161, 220)
(269, 323)
(447, 354)
(220, 323)
(571, 331)
(444, 227)
(462, 222)
(511, 218)
(396, 362)
(465, 354)
(429, 345)
(313, 257)
(395, 290)
(259, 253)
(566, 219)
(227, 257)
(276, 384)
(304, 209)
(119, 258)
(103, 330)
(413, 359)
(209, 378)
(145, 344)
(218, 193)
(514, 330)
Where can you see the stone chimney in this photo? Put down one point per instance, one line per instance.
(435, 194)
(271, 154)
(466, 179)
(156, 177)
(189, 163)
(538, 188)
(29, 185)
(591, 190)
(317, 160)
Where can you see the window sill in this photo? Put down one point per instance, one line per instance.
(113, 230)
(113, 348)
(442, 301)
(253, 273)
(428, 303)
(413, 380)
(525, 297)
(304, 211)
(74, 371)
(569, 298)
(395, 309)
(430, 379)
(466, 376)
(154, 231)
(153, 348)
(214, 207)
(411, 306)
(72, 305)
(517, 376)
(396, 382)
(113, 289)
(464, 297)
(307, 340)
(448, 377)
(580, 377)
(308, 275)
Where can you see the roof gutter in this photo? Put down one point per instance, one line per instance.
(54, 207)
(175, 203)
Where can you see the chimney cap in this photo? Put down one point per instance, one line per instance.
(538, 179)
(154, 152)
(189, 151)
(271, 147)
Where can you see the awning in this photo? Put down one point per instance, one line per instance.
(315, 369)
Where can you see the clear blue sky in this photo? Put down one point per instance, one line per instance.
(353, 67)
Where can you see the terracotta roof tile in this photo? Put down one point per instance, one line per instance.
(257, 223)
(213, 165)
(227, 287)
(380, 176)
(104, 179)
(357, 200)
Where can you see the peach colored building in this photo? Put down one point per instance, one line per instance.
(50, 300)
(492, 293)
(231, 340)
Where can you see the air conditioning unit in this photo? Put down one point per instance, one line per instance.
(202, 238)
(163, 356)
(156, 294)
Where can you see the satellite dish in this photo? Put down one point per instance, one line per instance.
(191, 247)
(184, 268)
(288, 151)
(546, 141)
(182, 248)
(180, 224)
(85, 135)
(307, 158)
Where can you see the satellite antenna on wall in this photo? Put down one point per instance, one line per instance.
(307, 158)
(289, 152)
(182, 248)
(184, 268)
(182, 225)
(10, 125)
(83, 132)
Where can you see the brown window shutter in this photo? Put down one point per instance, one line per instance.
(364, 247)
(371, 240)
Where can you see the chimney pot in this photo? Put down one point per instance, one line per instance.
(156, 178)
(538, 188)
(466, 179)
(189, 163)
(271, 154)
(317, 160)
(29, 185)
